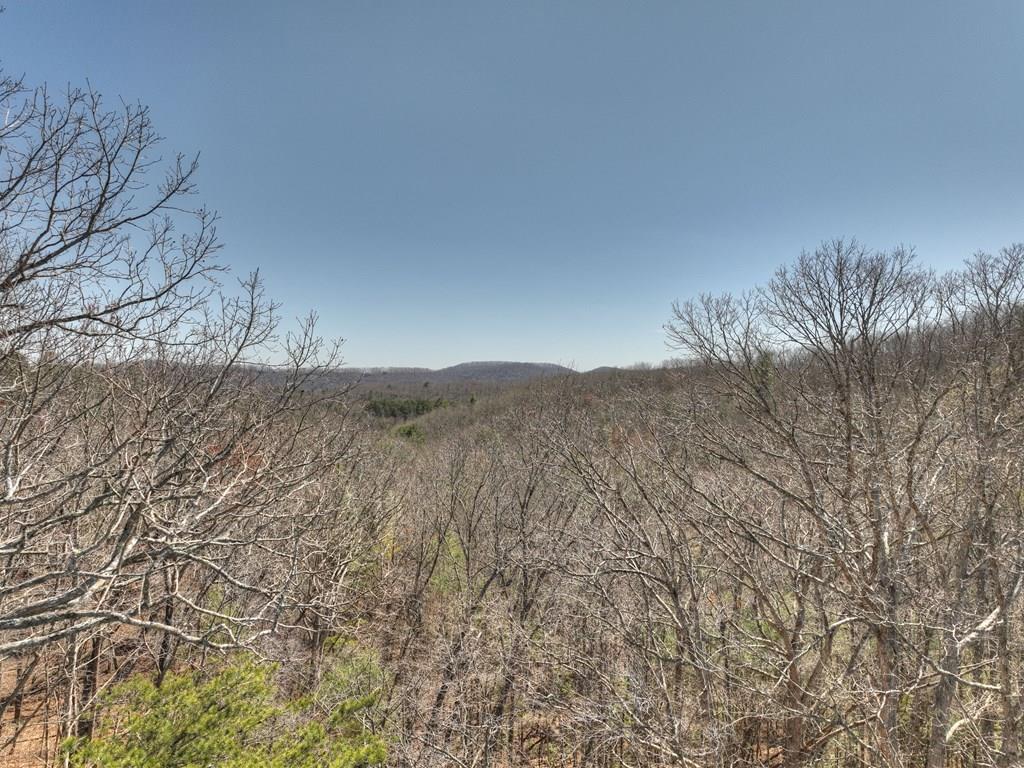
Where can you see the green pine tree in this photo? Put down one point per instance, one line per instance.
(229, 720)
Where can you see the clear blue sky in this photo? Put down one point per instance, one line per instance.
(538, 180)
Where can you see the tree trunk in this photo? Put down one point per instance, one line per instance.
(90, 675)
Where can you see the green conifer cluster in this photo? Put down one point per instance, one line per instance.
(234, 719)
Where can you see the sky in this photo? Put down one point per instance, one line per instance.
(538, 180)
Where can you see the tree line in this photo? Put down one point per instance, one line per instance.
(402, 407)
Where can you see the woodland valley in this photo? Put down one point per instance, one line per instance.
(797, 543)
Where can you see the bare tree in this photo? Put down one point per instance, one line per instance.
(168, 472)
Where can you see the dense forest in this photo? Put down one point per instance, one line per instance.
(798, 545)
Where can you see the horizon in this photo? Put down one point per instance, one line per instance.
(536, 182)
(397, 368)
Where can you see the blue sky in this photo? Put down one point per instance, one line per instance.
(450, 181)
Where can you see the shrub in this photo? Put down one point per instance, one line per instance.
(229, 720)
(413, 432)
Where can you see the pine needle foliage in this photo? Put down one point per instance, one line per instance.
(230, 720)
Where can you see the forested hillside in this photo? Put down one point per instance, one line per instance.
(458, 381)
(801, 545)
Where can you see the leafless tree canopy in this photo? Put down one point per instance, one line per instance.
(801, 545)
(159, 488)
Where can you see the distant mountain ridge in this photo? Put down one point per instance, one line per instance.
(484, 371)
(496, 370)
(454, 379)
